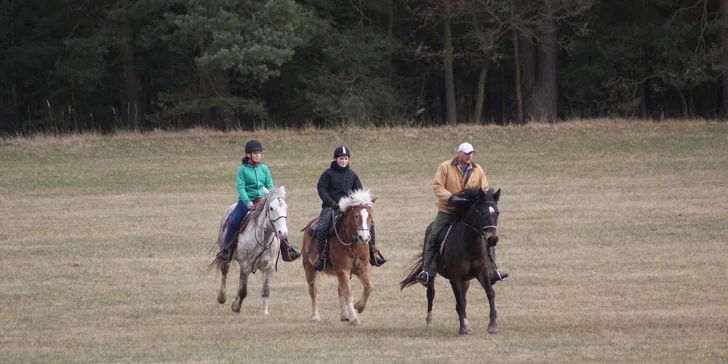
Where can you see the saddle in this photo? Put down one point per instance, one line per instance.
(246, 219)
(332, 231)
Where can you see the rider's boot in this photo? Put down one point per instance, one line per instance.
(376, 258)
(320, 263)
(225, 255)
(287, 252)
(495, 273)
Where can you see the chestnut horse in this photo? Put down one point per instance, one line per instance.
(348, 254)
(464, 255)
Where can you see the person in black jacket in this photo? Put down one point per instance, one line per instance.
(336, 182)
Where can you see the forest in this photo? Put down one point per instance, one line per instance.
(101, 66)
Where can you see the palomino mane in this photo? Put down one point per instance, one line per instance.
(356, 198)
(263, 203)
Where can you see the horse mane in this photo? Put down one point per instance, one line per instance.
(260, 207)
(470, 196)
(356, 198)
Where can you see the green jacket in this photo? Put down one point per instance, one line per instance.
(251, 180)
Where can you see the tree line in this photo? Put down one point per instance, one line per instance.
(78, 65)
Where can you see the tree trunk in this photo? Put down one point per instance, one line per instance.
(449, 76)
(132, 105)
(527, 52)
(517, 69)
(724, 55)
(545, 97)
(478, 117)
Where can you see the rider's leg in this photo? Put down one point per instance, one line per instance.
(322, 235)
(375, 256)
(236, 217)
(429, 267)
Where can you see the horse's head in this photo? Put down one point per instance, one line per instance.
(481, 211)
(357, 210)
(276, 210)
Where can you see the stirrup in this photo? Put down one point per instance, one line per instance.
(423, 278)
(227, 258)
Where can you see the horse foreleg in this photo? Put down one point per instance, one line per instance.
(348, 300)
(265, 291)
(430, 301)
(466, 285)
(242, 290)
(312, 291)
(457, 289)
(221, 298)
(490, 292)
(366, 281)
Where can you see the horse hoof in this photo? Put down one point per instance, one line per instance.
(235, 308)
(354, 322)
(266, 313)
(359, 308)
(221, 299)
(344, 319)
(492, 329)
(315, 317)
(464, 332)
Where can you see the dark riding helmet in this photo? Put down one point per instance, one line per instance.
(342, 150)
(252, 145)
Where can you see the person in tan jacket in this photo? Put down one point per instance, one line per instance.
(451, 177)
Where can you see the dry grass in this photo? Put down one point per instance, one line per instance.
(613, 232)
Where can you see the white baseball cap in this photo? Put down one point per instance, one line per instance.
(466, 148)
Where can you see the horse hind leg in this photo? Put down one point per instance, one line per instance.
(430, 301)
(221, 298)
(312, 290)
(242, 290)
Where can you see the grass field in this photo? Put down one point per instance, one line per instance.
(614, 234)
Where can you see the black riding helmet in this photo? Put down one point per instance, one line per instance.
(342, 150)
(252, 145)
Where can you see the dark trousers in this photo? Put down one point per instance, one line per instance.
(236, 218)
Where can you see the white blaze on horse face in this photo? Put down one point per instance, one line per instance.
(278, 213)
(364, 233)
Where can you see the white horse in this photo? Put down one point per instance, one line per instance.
(257, 248)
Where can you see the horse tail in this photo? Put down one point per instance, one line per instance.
(416, 265)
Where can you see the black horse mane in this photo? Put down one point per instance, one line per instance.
(469, 197)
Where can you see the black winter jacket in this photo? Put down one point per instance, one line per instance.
(335, 183)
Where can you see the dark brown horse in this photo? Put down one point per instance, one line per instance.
(349, 254)
(464, 255)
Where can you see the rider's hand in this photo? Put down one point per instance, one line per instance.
(250, 205)
(334, 206)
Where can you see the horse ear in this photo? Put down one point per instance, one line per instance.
(265, 191)
(374, 199)
(282, 191)
(496, 195)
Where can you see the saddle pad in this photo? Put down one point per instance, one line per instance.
(442, 236)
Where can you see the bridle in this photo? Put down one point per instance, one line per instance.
(354, 237)
(482, 230)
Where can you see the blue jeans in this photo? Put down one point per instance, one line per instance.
(236, 217)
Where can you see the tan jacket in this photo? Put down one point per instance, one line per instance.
(449, 179)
